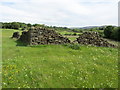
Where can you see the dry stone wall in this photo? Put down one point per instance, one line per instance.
(93, 38)
(36, 36)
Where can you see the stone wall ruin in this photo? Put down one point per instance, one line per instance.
(93, 38)
(38, 36)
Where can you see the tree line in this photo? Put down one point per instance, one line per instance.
(17, 25)
(23, 26)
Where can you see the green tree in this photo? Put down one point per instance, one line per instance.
(7, 25)
(118, 31)
(15, 25)
(29, 25)
(23, 26)
(114, 34)
(108, 31)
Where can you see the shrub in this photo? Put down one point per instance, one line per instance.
(67, 34)
(116, 34)
(15, 25)
(112, 32)
(108, 31)
(74, 34)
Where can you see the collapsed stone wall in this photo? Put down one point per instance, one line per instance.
(93, 38)
(25, 37)
(36, 36)
(16, 35)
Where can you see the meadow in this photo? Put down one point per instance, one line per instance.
(57, 66)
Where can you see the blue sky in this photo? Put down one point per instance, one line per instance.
(70, 13)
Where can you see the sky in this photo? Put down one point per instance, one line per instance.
(66, 13)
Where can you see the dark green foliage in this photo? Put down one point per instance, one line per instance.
(74, 34)
(101, 28)
(6, 25)
(22, 29)
(112, 33)
(29, 25)
(77, 30)
(108, 31)
(67, 34)
(16, 25)
(13, 25)
(39, 25)
(23, 26)
(35, 25)
(118, 33)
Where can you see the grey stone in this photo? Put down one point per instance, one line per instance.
(36, 36)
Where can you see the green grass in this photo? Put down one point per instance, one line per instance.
(67, 32)
(72, 38)
(57, 66)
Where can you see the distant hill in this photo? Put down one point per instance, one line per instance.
(88, 27)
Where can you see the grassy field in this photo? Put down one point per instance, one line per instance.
(67, 32)
(57, 66)
(72, 38)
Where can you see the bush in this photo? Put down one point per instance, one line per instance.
(74, 34)
(112, 33)
(108, 31)
(67, 34)
(15, 25)
(81, 31)
(116, 34)
(22, 29)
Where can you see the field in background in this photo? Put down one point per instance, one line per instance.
(68, 32)
(72, 38)
(57, 66)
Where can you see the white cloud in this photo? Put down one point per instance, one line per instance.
(60, 12)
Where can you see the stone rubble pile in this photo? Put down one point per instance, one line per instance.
(16, 35)
(37, 36)
(93, 38)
